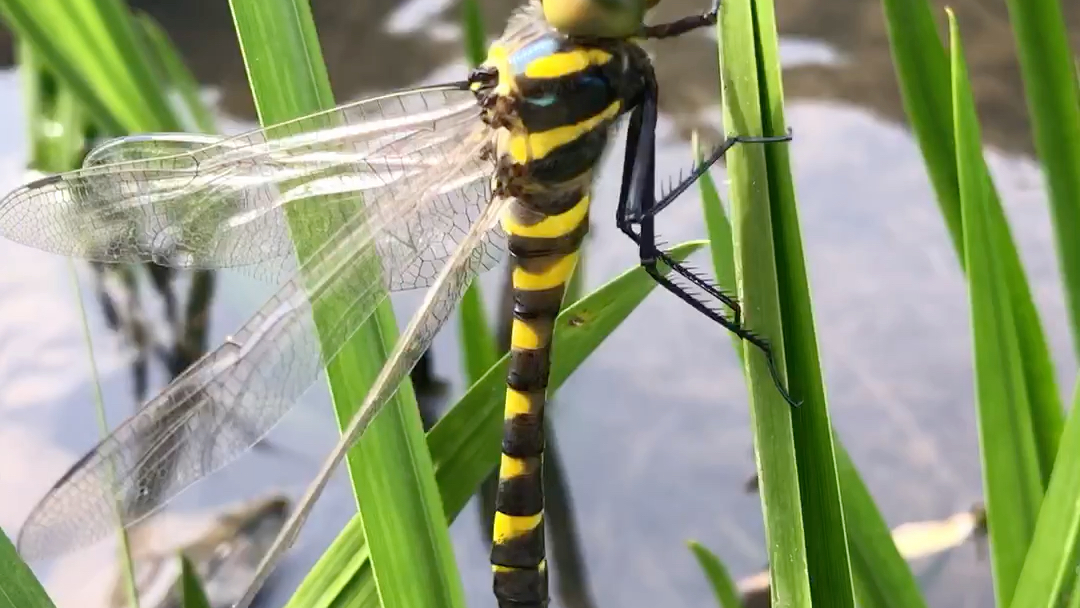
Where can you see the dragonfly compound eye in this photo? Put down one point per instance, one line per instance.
(597, 18)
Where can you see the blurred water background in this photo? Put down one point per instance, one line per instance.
(653, 430)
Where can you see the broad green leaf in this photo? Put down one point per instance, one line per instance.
(1011, 474)
(1050, 574)
(819, 488)
(390, 468)
(1046, 64)
(727, 595)
(465, 444)
(922, 68)
(804, 525)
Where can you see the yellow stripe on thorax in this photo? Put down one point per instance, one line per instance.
(499, 58)
(555, 275)
(552, 225)
(532, 146)
(509, 527)
(563, 64)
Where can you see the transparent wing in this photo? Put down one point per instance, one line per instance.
(197, 201)
(234, 395)
(438, 304)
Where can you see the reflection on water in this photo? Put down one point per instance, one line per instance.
(661, 406)
(422, 35)
(224, 556)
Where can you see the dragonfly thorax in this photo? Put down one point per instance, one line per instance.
(553, 100)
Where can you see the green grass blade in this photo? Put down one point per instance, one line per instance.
(477, 340)
(923, 72)
(112, 26)
(191, 591)
(1011, 473)
(882, 577)
(19, 588)
(803, 517)
(819, 487)
(727, 594)
(390, 468)
(465, 442)
(58, 132)
(1046, 65)
(1049, 574)
(47, 41)
(755, 270)
(472, 24)
(173, 72)
(91, 47)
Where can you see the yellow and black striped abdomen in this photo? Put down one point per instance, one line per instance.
(554, 103)
(544, 253)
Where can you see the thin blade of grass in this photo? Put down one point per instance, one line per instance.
(478, 347)
(390, 468)
(1049, 574)
(755, 268)
(465, 444)
(472, 22)
(922, 69)
(1046, 65)
(58, 131)
(727, 594)
(1011, 475)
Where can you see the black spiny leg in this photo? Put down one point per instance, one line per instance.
(638, 208)
(681, 26)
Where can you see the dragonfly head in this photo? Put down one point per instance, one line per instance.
(597, 18)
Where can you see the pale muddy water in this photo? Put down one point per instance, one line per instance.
(653, 428)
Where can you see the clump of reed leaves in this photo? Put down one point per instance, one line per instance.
(94, 69)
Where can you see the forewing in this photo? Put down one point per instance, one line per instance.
(194, 201)
(234, 395)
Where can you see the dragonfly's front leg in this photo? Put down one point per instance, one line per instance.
(636, 215)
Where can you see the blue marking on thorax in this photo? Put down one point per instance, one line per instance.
(536, 49)
(544, 101)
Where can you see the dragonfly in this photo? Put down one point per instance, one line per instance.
(452, 178)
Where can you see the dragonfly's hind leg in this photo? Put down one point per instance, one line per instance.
(636, 214)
